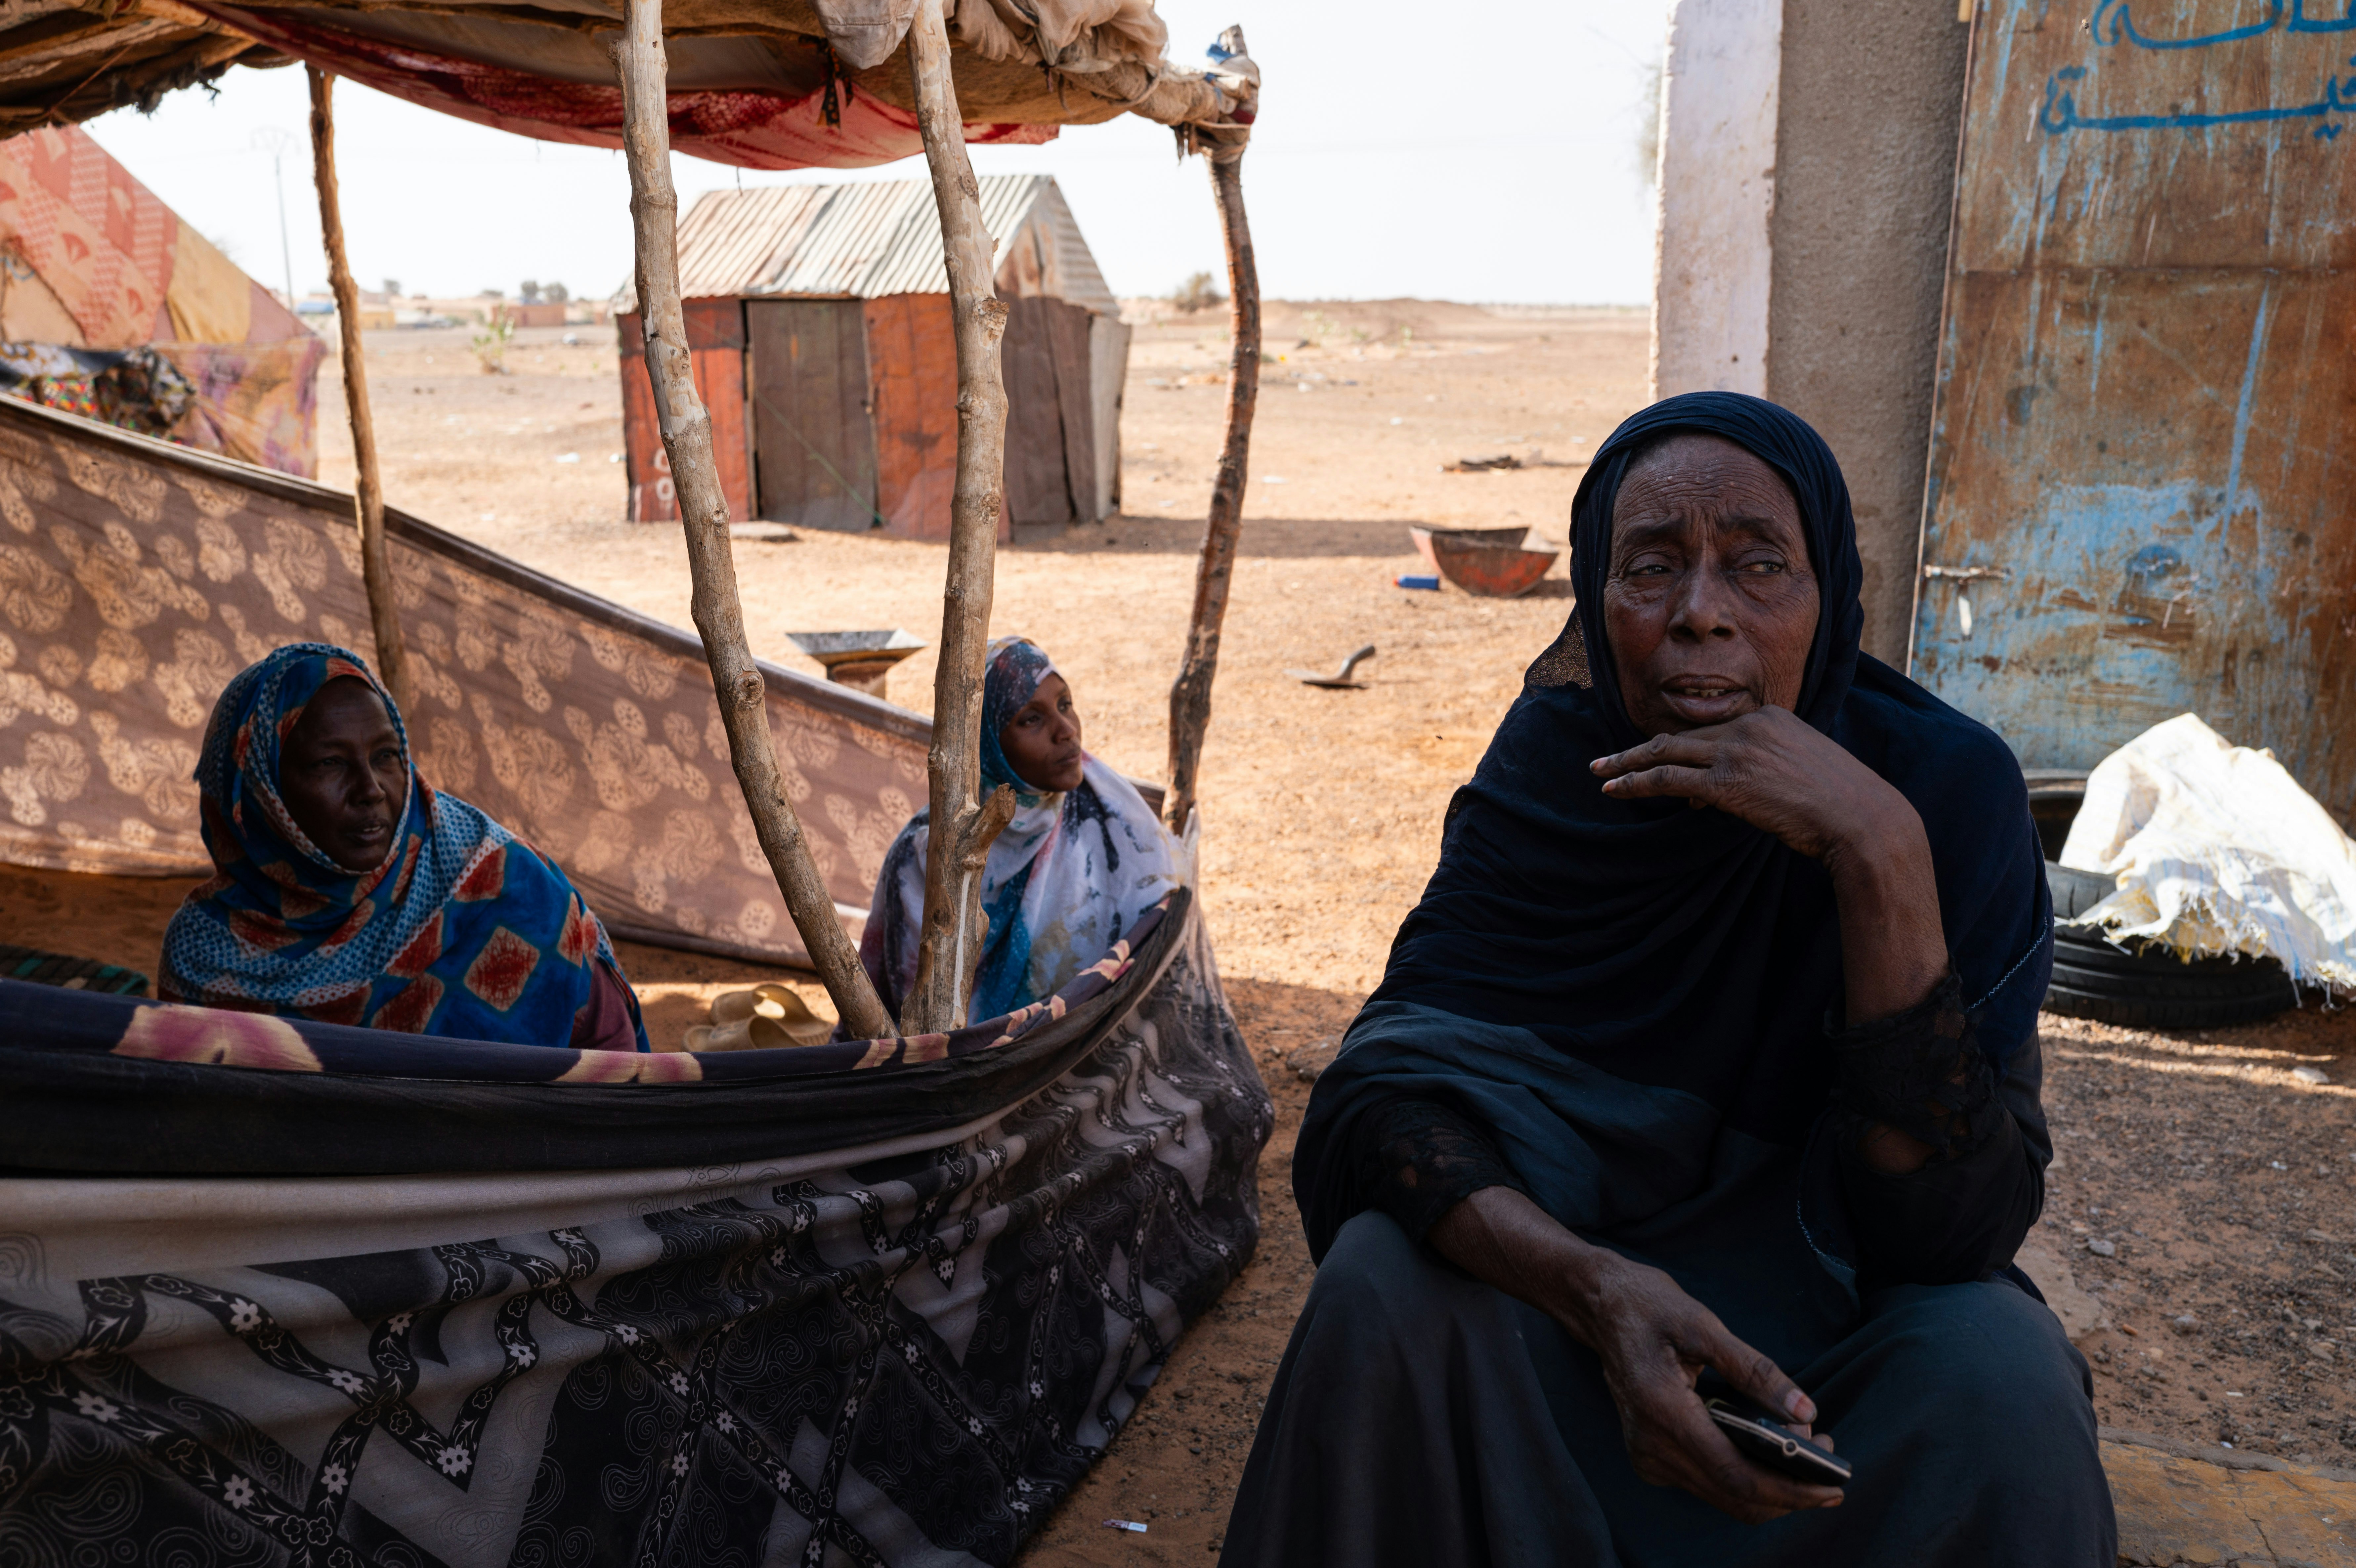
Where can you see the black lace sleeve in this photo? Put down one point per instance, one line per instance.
(1966, 1211)
(1921, 1072)
(1416, 1160)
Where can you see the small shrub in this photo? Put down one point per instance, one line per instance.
(1197, 292)
(491, 344)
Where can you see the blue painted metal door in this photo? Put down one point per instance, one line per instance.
(2142, 494)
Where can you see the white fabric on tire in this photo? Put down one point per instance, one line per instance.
(2216, 849)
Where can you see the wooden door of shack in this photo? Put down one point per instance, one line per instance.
(841, 413)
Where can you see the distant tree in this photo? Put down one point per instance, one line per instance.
(1197, 292)
(527, 292)
(494, 294)
(393, 288)
(555, 293)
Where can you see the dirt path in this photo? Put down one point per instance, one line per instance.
(2224, 1184)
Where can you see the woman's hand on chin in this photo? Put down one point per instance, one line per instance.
(1776, 772)
(1653, 1340)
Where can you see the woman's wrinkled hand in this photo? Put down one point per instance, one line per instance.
(1653, 1340)
(1778, 772)
(1774, 770)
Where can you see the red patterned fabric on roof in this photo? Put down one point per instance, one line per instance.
(750, 130)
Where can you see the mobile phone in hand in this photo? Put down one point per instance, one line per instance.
(1753, 1429)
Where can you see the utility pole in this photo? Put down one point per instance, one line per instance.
(274, 140)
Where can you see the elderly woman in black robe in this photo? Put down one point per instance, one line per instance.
(1710, 1051)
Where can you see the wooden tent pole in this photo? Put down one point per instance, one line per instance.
(963, 827)
(703, 517)
(1190, 694)
(375, 567)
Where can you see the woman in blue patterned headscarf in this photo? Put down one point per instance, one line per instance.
(349, 889)
(1082, 860)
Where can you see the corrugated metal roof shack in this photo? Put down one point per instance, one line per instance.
(818, 319)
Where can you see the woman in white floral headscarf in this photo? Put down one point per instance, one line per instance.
(1083, 859)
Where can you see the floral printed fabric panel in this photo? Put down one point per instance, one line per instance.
(134, 584)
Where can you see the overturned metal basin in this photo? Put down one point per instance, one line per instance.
(857, 659)
(1491, 563)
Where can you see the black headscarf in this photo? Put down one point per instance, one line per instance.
(1669, 949)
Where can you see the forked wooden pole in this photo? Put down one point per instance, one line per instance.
(963, 827)
(375, 567)
(703, 517)
(1190, 695)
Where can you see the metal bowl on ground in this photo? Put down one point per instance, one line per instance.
(1491, 563)
(858, 659)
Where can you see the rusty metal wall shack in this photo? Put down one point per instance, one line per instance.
(2142, 493)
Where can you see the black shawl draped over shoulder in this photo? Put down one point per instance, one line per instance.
(1618, 993)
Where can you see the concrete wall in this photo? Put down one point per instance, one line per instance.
(1865, 161)
(1864, 114)
(1712, 256)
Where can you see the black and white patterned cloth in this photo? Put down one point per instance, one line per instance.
(903, 1352)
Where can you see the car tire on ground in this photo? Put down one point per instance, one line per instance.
(2096, 978)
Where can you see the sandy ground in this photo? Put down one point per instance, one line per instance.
(1308, 864)
(2223, 1184)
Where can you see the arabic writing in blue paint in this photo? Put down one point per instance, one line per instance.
(2113, 24)
(2060, 114)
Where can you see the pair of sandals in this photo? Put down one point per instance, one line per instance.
(767, 1018)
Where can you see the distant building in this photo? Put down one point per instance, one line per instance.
(818, 318)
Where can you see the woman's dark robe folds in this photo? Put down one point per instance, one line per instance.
(1631, 1011)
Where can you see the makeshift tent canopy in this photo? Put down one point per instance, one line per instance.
(99, 281)
(818, 319)
(764, 1306)
(779, 84)
(792, 84)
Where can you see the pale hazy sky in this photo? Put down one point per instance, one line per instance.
(1392, 158)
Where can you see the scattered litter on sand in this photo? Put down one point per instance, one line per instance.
(1340, 679)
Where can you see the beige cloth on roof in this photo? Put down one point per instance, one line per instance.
(865, 32)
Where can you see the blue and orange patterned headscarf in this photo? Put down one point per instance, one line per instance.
(464, 931)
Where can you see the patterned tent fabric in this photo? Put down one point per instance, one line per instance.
(120, 263)
(137, 577)
(890, 1318)
(91, 260)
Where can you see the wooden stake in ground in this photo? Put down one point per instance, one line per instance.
(376, 568)
(1190, 695)
(963, 827)
(703, 517)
